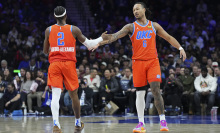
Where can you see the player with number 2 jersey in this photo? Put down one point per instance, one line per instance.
(60, 43)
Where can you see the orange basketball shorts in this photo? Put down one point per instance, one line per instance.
(144, 71)
(63, 72)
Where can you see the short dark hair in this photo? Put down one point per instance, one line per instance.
(92, 69)
(108, 69)
(113, 70)
(12, 84)
(148, 12)
(204, 69)
(59, 10)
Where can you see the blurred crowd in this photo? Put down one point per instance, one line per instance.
(106, 74)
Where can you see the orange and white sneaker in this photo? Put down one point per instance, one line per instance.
(163, 126)
(140, 128)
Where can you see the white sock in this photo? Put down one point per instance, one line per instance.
(140, 105)
(78, 122)
(162, 117)
(55, 105)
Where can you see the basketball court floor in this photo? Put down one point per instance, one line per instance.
(110, 124)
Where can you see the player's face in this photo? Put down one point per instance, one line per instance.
(138, 11)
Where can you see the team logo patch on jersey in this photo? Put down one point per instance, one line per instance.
(158, 76)
(149, 26)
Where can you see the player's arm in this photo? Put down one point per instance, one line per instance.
(127, 29)
(162, 33)
(76, 32)
(109, 38)
(46, 41)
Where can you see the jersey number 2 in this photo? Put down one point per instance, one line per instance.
(60, 41)
(144, 43)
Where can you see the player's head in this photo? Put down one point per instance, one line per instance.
(140, 10)
(60, 13)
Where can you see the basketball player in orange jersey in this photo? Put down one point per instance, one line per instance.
(60, 41)
(145, 62)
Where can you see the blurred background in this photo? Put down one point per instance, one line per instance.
(194, 23)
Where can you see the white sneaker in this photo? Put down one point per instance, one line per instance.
(31, 111)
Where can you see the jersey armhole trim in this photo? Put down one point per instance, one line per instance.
(153, 27)
(71, 28)
(50, 29)
(133, 30)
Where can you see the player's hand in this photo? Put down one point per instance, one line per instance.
(99, 44)
(183, 54)
(105, 36)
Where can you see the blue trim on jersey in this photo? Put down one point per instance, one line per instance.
(141, 24)
(59, 25)
(133, 30)
(71, 28)
(50, 28)
(153, 27)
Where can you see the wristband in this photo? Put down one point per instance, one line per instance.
(180, 48)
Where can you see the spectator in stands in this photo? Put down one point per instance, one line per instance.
(87, 71)
(172, 92)
(182, 69)
(23, 73)
(217, 76)
(189, 59)
(103, 66)
(17, 82)
(25, 62)
(113, 75)
(33, 66)
(108, 86)
(201, 7)
(177, 72)
(37, 53)
(214, 65)
(86, 106)
(209, 63)
(7, 76)
(10, 100)
(210, 71)
(46, 102)
(26, 88)
(204, 61)
(205, 86)
(195, 72)
(127, 86)
(82, 70)
(188, 91)
(4, 65)
(93, 81)
(41, 84)
(171, 62)
(2, 86)
(117, 74)
(45, 63)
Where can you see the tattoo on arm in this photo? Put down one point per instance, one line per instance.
(123, 32)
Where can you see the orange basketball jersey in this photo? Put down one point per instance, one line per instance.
(62, 43)
(143, 41)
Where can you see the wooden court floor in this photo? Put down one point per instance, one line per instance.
(110, 124)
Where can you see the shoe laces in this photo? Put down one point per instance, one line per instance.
(163, 123)
(140, 124)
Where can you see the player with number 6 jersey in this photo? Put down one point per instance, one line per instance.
(145, 64)
(60, 42)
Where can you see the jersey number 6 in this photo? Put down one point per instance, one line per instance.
(60, 41)
(144, 43)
